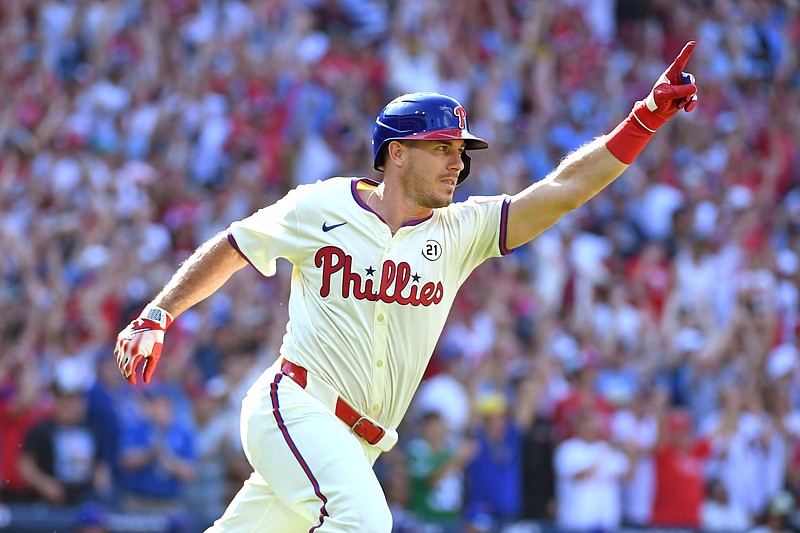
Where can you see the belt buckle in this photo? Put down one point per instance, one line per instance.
(364, 426)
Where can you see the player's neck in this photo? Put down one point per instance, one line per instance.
(393, 207)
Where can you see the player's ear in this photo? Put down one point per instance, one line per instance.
(395, 154)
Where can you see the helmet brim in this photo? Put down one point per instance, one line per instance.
(472, 142)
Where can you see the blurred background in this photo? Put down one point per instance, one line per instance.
(634, 367)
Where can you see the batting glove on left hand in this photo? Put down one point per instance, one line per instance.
(674, 90)
(142, 339)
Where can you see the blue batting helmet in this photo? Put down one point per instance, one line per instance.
(423, 116)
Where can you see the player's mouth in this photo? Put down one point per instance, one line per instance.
(450, 181)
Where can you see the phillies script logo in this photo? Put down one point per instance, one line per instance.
(461, 113)
(394, 282)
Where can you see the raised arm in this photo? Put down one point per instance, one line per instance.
(200, 276)
(588, 170)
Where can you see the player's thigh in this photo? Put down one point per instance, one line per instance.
(313, 462)
(256, 508)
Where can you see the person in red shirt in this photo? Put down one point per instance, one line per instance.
(20, 409)
(680, 467)
(651, 279)
(582, 395)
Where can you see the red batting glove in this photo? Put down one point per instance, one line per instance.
(669, 95)
(142, 339)
(674, 90)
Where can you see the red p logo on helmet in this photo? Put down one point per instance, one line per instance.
(461, 113)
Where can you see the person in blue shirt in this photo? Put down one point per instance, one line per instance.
(493, 482)
(158, 456)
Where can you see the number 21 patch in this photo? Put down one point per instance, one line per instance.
(432, 250)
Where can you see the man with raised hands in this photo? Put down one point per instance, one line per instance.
(376, 269)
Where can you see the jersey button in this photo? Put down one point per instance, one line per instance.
(375, 408)
(380, 318)
(379, 363)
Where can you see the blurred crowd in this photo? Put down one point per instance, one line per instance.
(635, 365)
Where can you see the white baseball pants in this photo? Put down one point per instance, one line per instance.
(312, 474)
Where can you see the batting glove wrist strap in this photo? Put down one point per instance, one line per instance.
(629, 138)
(155, 314)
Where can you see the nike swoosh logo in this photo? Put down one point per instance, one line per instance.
(326, 227)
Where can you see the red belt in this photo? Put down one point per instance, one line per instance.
(361, 425)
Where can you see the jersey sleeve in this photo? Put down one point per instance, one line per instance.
(269, 233)
(480, 225)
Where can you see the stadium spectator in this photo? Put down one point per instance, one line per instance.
(538, 478)
(493, 476)
(21, 408)
(158, 456)
(681, 461)
(718, 514)
(740, 444)
(634, 429)
(436, 462)
(589, 472)
(582, 395)
(217, 444)
(102, 404)
(61, 458)
(493, 486)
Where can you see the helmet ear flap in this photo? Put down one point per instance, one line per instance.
(380, 157)
(465, 171)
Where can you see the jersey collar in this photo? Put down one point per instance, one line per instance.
(366, 184)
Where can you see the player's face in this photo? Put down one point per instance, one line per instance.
(432, 172)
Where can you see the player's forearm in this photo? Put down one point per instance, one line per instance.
(579, 177)
(200, 276)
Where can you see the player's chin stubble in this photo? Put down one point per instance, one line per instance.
(423, 189)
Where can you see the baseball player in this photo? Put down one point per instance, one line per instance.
(376, 267)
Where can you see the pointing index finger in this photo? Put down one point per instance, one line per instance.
(680, 61)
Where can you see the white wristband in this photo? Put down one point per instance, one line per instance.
(157, 315)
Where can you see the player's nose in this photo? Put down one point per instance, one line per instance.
(456, 162)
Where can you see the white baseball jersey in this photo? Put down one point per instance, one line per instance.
(367, 307)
